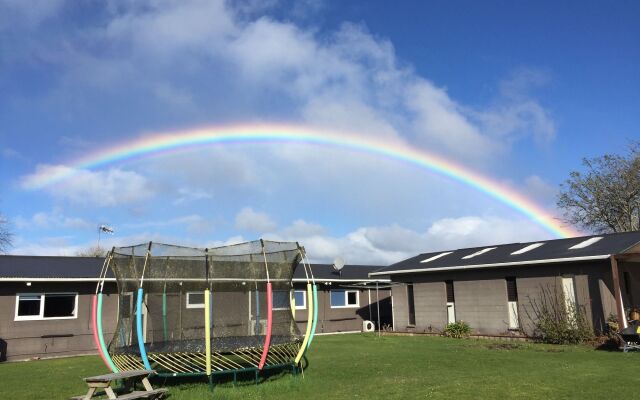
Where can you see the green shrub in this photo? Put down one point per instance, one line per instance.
(458, 330)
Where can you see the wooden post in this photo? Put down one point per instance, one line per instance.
(622, 321)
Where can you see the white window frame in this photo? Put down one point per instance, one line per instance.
(40, 316)
(304, 299)
(346, 297)
(196, 305)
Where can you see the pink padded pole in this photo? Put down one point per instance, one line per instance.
(267, 339)
(94, 326)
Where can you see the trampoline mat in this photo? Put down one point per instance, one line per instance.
(218, 345)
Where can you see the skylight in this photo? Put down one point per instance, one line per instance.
(477, 253)
(586, 243)
(436, 257)
(527, 248)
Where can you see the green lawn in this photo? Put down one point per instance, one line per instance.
(391, 367)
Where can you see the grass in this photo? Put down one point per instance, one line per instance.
(391, 367)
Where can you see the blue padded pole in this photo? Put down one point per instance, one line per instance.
(143, 352)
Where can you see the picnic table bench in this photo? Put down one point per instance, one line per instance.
(129, 378)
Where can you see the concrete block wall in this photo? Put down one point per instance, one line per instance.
(54, 337)
(483, 305)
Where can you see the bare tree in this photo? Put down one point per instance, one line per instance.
(93, 251)
(606, 196)
(5, 234)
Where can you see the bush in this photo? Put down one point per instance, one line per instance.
(458, 330)
(558, 322)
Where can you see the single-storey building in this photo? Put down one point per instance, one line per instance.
(495, 288)
(45, 303)
(346, 298)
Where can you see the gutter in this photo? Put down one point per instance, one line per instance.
(494, 265)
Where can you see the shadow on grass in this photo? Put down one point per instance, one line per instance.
(239, 378)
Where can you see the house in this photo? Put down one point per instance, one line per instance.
(46, 303)
(495, 288)
(45, 306)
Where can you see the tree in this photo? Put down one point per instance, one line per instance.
(606, 196)
(93, 251)
(5, 235)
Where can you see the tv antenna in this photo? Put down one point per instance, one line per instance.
(103, 228)
(338, 263)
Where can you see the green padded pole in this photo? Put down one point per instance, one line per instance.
(165, 328)
(315, 314)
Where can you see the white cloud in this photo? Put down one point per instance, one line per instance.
(51, 220)
(250, 220)
(106, 188)
(194, 223)
(384, 245)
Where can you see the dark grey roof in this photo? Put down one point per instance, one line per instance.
(559, 249)
(348, 272)
(50, 267)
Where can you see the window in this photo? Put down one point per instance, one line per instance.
(451, 305)
(195, 299)
(477, 253)
(527, 248)
(301, 299)
(411, 304)
(436, 256)
(512, 303)
(449, 288)
(512, 289)
(35, 306)
(281, 300)
(585, 243)
(344, 298)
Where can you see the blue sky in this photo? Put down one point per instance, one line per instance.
(518, 92)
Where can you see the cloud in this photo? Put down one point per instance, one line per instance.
(249, 220)
(539, 189)
(384, 245)
(51, 220)
(27, 14)
(107, 188)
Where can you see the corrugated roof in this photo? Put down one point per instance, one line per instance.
(502, 255)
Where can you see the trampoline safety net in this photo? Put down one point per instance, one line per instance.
(174, 310)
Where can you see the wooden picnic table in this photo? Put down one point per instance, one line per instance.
(130, 378)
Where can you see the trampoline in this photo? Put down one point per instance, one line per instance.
(186, 311)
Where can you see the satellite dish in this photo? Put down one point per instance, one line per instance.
(338, 263)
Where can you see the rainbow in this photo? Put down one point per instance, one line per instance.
(156, 144)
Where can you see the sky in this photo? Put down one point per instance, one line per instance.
(516, 92)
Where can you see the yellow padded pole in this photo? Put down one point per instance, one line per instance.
(207, 331)
(309, 322)
(292, 301)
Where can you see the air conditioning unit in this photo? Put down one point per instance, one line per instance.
(368, 326)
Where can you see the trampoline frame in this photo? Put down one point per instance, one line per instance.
(312, 313)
